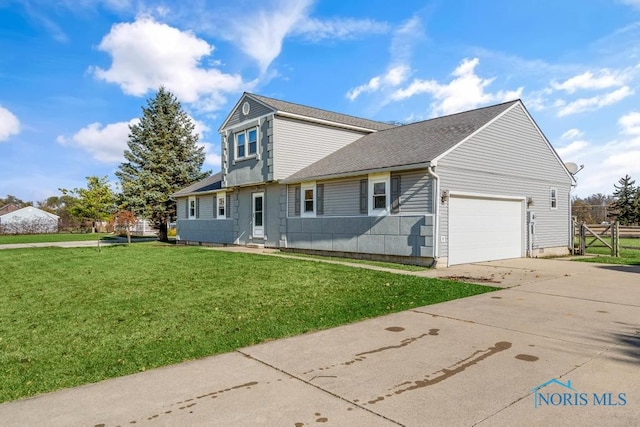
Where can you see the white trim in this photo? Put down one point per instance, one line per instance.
(484, 196)
(552, 198)
(221, 195)
(246, 132)
(358, 173)
(376, 178)
(243, 97)
(245, 124)
(311, 185)
(192, 199)
(260, 228)
(324, 122)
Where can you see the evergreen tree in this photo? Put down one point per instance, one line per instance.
(624, 195)
(162, 158)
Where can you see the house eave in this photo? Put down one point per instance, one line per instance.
(324, 122)
(357, 173)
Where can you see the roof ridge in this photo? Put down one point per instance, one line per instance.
(319, 109)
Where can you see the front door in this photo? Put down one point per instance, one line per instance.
(258, 216)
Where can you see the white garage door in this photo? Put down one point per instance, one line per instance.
(483, 229)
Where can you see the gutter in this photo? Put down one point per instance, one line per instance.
(436, 213)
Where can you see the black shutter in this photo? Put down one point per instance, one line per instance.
(320, 199)
(186, 211)
(395, 194)
(215, 205)
(197, 207)
(364, 190)
(227, 206)
(296, 201)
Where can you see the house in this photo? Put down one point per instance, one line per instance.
(28, 220)
(475, 186)
(8, 208)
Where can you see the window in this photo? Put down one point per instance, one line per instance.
(378, 194)
(247, 143)
(192, 207)
(308, 200)
(553, 198)
(222, 208)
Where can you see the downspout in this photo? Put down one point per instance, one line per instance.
(436, 214)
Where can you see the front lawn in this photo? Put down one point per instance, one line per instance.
(6, 239)
(75, 316)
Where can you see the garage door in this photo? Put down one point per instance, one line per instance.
(484, 229)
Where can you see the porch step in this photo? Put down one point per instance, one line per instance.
(255, 245)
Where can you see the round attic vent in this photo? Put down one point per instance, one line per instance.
(245, 108)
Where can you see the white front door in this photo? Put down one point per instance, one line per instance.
(258, 216)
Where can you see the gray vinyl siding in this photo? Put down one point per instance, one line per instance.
(215, 231)
(510, 158)
(181, 208)
(256, 110)
(415, 191)
(341, 198)
(205, 207)
(253, 170)
(297, 144)
(271, 215)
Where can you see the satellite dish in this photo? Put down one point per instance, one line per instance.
(572, 167)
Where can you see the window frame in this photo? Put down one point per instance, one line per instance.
(374, 179)
(192, 207)
(303, 188)
(247, 143)
(553, 198)
(221, 196)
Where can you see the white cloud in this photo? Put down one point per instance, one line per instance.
(147, 54)
(632, 3)
(603, 79)
(572, 134)
(630, 123)
(594, 103)
(572, 149)
(338, 28)
(466, 91)
(9, 124)
(106, 144)
(392, 78)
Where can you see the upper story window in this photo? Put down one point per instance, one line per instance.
(553, 198)
(246, 143)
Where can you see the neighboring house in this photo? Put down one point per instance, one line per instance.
(475, 186)
(8, 208)
(28, 220)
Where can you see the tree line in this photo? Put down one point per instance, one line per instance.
(622, 206)
(162, 157)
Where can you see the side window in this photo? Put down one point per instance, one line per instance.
(308, 200)
(222, 209)
(192, 207)
(240, 144)
(253, 141)
(553, 198)
(246, 143)
(379, 195)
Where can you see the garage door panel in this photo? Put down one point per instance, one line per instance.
(484, 229)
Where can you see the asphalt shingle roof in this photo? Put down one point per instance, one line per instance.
(213, 182)
(415, 143)
(317, 113)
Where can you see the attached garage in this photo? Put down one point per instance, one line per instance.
(485, 229)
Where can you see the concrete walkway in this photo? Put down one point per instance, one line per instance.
(474, 361)
(78, 244)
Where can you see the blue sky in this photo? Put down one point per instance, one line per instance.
(75, 73)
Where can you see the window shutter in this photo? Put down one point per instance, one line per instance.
(227, 206)
(186, 205)
(395, 194)
(197, 207)
(320, 199)
(296, 209)
(215, 205)
(364, 189)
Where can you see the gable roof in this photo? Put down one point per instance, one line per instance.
(30, 211)
(403, 146)
(9, 208)
(316, 113)
(209, 184)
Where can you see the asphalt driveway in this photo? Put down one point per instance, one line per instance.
(474, 361)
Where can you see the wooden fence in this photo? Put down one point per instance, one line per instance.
(604, 236)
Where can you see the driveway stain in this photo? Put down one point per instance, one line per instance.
(394, 329)
(448, 372)
(360, 357)
(527, 357)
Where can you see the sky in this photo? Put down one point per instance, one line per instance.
(74, 74)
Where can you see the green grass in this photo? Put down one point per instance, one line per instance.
(6, 239)
(627, 256)
(392, 265)
(75, 316)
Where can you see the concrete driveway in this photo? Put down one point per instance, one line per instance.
(474, 361)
